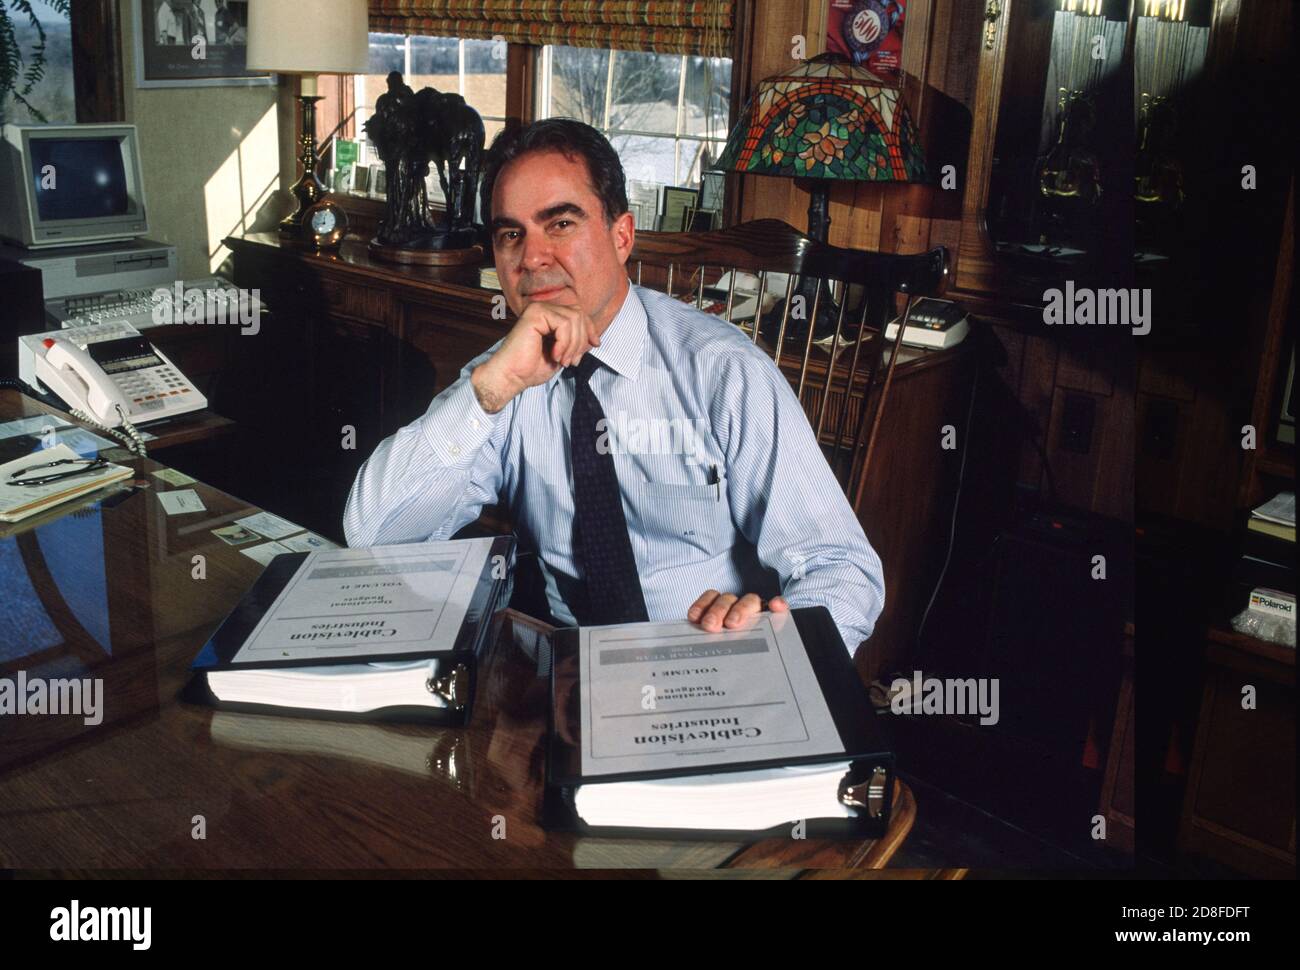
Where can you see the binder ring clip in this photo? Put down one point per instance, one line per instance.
(453, 686)
(868, 796)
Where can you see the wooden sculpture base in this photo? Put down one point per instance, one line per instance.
(426, 257)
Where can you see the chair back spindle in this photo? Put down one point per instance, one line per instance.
(841, 377)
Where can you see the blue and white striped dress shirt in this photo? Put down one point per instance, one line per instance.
(688, 400)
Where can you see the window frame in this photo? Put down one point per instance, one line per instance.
(522, 98)
(678, 136)
(336, 114)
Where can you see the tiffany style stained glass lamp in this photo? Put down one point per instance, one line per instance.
(826, 119)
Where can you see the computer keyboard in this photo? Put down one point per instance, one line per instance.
(83, 335)
(139, 307)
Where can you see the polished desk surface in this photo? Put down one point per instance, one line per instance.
(117, 593)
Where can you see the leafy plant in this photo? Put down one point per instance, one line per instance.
(19, 74)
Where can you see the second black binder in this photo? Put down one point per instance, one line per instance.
(661, 730)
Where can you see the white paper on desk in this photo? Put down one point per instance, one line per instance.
(32, 426)
(14, 497)
(741, 695)
(181, 500)
(79, 440)
(271, 526)
(384, 600)
(265, 552)
(307, 542)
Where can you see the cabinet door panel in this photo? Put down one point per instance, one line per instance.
(435, 345)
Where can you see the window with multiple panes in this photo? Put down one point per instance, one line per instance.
(474, 69)
(40, 32)
(665, 114)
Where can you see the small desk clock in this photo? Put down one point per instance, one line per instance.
(324, 224)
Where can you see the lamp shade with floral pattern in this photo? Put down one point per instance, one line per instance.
(826, 119)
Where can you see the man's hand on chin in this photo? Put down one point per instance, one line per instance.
(714, 610)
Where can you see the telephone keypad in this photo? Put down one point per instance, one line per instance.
(149, 388)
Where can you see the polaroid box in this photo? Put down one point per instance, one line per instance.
(870, 32)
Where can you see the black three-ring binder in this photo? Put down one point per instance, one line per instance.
(866, 787)
(458, 662)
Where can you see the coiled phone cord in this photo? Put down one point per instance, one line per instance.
(132, 440)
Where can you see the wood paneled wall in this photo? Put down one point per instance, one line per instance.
(940, 58)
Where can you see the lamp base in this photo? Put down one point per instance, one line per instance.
(308, 190)
(819, 210)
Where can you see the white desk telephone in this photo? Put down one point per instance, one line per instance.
(109, 372)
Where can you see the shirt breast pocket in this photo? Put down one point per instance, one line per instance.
(685, 523)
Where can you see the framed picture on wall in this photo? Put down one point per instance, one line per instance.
(193, 43)
(867, 32)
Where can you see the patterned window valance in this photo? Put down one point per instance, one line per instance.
(662, 26)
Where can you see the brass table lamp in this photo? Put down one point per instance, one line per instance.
(321, 37)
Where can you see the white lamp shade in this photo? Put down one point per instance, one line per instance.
(313, 37)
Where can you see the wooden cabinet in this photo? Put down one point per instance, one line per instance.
(1239, 806)
(354, 350)
(1118, 792)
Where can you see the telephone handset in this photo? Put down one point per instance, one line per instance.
(72, 374)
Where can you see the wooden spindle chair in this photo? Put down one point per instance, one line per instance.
(841, 381)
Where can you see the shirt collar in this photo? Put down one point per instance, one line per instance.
(623, 342)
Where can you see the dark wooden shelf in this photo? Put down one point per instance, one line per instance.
(1252, 645)
(1278, 463)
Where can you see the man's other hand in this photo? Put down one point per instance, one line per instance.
(714, 610)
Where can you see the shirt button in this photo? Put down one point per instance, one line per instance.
(453, 449)
(473, 423)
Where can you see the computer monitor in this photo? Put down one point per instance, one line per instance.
(67, 185)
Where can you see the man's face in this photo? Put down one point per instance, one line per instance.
(551, 241)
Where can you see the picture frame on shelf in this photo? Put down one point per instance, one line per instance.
(712, 187)
(643, 203)
(643, 217)
(676, 200)
(701, 220)
(345, 163)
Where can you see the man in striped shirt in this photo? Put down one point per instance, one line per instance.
(705, 496)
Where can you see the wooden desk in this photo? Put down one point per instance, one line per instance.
(112, 592)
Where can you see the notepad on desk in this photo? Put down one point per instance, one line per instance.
(61, 464)
(385, 633)
(663, 727)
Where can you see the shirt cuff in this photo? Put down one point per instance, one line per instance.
(456, 426)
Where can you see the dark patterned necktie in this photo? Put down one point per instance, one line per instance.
(601, 546)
